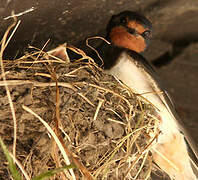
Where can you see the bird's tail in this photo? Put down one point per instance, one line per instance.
(173, 158)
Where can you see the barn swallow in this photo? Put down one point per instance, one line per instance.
(129, 34)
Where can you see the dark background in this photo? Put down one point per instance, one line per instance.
(173, 50)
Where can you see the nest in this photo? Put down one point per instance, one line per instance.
(104, 128)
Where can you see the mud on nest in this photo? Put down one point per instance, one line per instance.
(104, 125)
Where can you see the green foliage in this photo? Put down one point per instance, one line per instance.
(52, 172)
(15, 173)
(13, 169)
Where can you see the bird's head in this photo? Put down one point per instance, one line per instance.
(129, 30)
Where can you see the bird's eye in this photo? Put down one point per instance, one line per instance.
(131, 30)
(123, 20)
(146, 34)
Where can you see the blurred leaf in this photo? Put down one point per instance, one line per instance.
(13, 169)
(52, 172)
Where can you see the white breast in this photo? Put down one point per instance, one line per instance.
(131, 73)
(170, 141)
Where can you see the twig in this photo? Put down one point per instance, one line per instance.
(98, 108)
(96, 37)
(20, 167)
(53, 135)
(36, 83)
(86, 99)
(3, 46)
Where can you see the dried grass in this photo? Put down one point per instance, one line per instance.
(96, 122)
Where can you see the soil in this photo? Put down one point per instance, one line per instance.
(106, 143)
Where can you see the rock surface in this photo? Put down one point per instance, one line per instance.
(173, 49)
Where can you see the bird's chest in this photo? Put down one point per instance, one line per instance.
(136, 77)
(130, 73)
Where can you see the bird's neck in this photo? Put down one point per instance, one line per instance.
(109, 54)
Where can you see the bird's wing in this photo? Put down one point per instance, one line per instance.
(166, 99)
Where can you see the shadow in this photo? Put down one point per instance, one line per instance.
(177, 48)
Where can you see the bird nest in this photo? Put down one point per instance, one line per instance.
(71, 112)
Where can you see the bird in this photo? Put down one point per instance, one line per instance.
(129, 34)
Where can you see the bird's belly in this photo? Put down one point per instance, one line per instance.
(142, 83)
(128, 71)
(170, 137)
